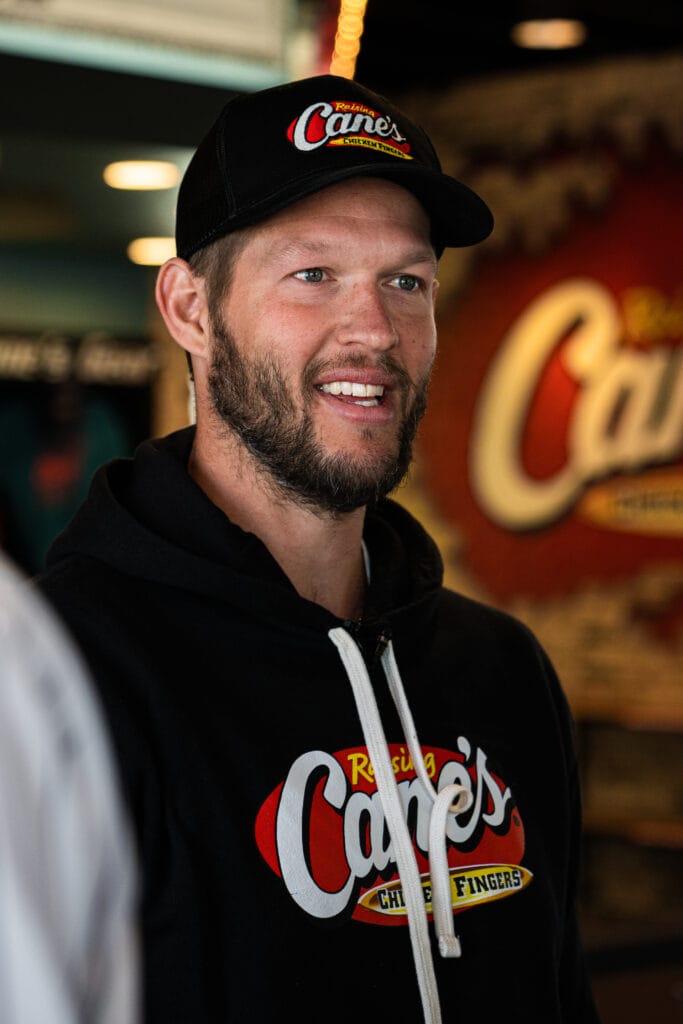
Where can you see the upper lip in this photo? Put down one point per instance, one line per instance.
(380, 378)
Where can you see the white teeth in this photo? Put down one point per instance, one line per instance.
(346, 387)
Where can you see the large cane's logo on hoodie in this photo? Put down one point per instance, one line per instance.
(323, 831)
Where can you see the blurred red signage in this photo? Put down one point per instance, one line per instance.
(554, 439)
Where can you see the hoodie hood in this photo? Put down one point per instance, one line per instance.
(141, 518)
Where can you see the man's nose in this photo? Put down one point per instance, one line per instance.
(367, 321)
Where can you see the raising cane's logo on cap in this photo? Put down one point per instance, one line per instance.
(347, 123)
(323, 831)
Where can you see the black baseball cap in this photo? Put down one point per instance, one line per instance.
(269, 149)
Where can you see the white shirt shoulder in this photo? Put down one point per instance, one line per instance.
(68, 937)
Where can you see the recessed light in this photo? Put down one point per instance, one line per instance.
(549, 33)
(141, 174)
(151, 252)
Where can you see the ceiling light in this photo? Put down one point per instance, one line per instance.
(151, 252)
(141, 174)
(348, 37)
(549, 33)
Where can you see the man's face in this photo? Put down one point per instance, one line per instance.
(323, 346)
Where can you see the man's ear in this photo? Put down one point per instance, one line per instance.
(181, 297)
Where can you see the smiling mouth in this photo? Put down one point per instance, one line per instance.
(353, 393)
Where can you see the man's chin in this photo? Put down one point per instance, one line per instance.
(345, 483)
(370, 455)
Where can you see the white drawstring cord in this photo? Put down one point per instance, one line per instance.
(451, 800)
(447, 801)
(387, 787)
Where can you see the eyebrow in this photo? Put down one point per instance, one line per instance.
(296, 248)
(310, 248)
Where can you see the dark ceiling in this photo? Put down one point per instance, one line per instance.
(430, 44)
(407, 45)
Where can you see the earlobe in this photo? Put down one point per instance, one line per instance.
(181, 298)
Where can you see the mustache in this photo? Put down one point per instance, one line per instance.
(359, 361)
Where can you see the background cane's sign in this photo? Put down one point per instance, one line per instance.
(554, 438)
(626, 413)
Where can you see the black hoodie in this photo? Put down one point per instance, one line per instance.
(270, 881)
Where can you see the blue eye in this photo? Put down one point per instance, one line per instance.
(312, 275)
(407, 282)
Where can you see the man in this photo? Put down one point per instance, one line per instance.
(68, 932)
(269, 632)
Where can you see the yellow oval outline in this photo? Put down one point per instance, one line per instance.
(370, 899)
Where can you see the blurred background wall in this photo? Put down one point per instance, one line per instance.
(550, 464)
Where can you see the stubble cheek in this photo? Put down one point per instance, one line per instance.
(418, 337)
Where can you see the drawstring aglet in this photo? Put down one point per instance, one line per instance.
(449, 946)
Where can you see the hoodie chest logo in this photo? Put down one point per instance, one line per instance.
(323, 831)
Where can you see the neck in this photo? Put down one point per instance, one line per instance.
(320, 552)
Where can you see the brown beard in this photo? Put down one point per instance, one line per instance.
(253, 400)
